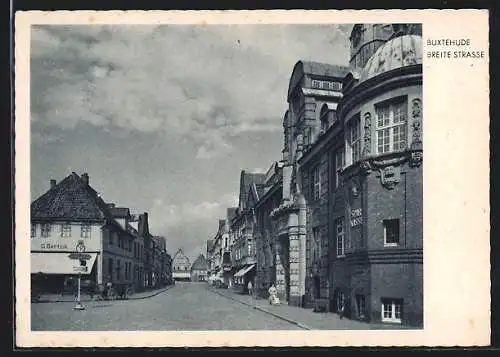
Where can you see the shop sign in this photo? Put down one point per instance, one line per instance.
(356, 217)
(56, 246)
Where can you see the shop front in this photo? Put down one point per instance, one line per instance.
(243, 276)
(57, 272)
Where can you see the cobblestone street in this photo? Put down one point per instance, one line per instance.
(186, 306)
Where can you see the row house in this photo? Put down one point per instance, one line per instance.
(70, 214)
(219, 252)
(340, 225)
(242, 227)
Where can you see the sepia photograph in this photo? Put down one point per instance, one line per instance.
(227, 176)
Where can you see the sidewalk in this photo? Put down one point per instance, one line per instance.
(304, 318)
(52, 298)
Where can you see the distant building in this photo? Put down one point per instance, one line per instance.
(181, 267)
(199, 269)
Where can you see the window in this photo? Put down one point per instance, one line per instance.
(316, 183)
(392, 310)
(391, 232)
(391, 127)
(46, 227)
(316, 244)
(33, 230)
(111, 238)
(361, 306)
(66, 230)
(340, 236)
(315, 83)
(339, 165)
(354, 139)
(85, 230)
(325, 85)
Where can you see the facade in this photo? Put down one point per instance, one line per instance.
(377, 262)
(199, 269)
(70, 214)
(219, 255)
(266, 231)
(338, 221)
(313, 86)
(181, 266)
(243, 223)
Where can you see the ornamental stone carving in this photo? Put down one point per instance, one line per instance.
(416, 110)
(415, 159)
(368, 134)
(389, 176)
(365, 167)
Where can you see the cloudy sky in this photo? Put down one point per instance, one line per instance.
(164, 118)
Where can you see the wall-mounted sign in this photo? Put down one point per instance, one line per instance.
(57, 246)
(356, 217)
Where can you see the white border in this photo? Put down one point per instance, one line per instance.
(456, 181)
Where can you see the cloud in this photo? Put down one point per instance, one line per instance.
(178, 80)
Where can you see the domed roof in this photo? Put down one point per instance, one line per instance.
(399, 52)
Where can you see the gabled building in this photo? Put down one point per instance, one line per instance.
(243, 250)
(181, 266)
(70, 214)
(199, 269)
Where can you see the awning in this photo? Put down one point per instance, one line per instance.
(60, 263)
(243, 271)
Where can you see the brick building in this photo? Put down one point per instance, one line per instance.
(377, 265)
(346, 229)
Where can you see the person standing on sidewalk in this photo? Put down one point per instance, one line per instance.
(250, 288)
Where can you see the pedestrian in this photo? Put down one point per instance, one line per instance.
(273, 295)
(342, 310)
(250, 288)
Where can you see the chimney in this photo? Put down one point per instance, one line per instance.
(52, 183)
(85, 178)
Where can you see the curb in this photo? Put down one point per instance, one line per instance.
(92, 300)
(299, 324)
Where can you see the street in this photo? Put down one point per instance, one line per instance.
(186, 306)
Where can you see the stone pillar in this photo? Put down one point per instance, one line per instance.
(301, 232)
(294, 253)
(280, 276)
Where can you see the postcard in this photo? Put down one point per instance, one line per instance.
(252, 178)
